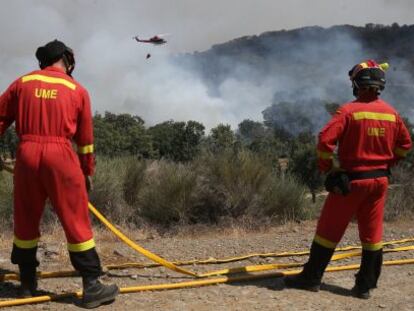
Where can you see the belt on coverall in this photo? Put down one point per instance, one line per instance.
(368, 174)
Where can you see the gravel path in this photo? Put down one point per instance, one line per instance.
(395, 290)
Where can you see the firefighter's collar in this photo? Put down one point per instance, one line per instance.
(54, 68)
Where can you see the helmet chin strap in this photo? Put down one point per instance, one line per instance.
(355, 88)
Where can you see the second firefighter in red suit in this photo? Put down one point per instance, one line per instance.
(50, 110)
(371, 137)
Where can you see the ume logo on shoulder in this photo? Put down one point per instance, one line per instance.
(46, 93)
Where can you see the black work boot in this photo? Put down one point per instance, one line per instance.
(28, 281)
(368, 274)
(95, 293)
(361, 292)
(311, 276)
(299, 281)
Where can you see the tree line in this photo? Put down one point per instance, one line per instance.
(285, 133)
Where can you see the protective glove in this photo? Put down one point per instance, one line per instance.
(338, 182)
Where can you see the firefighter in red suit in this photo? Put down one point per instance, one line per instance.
(51, 110)
(371, 137)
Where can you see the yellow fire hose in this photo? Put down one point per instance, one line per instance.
(240, 258)
(195, 283)
(249, 268)
(137, 247)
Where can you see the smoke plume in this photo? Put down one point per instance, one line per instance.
(114, 69)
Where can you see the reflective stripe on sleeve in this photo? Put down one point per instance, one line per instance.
(367, 115)
(371, 246)
(81, 247)
(324, 242)
(85, 149)
(325, 155)
(25, 243)
(401, 152)
(47, 79)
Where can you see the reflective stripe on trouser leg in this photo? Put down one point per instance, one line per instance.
(324, 242)
(81, 247)
(371, 246)
(86, 262)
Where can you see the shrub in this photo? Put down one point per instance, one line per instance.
(6, 199)
(244, 184)
(230, 183)
(169, 193)
(283, 200)
(236, 187)
(108, 192)
(133, 179)
(400, 194)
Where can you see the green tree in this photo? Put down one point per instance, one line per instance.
(269, 143)
(250, 131)
(304, 166)
(122, 134)
(178, 141)
(306, 138)
(221, 137)
(287, 117)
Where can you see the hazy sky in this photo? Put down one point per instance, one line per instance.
(112, 66)
(193, 24)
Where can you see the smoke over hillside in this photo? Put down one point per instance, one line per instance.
(240, 79)
(224, 84)
(307, 67)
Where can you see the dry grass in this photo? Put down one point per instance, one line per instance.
(400, 200)
(6, 200)
(235, 190)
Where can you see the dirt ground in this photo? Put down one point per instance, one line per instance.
(395, 291)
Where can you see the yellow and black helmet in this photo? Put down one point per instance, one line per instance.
(368, 74)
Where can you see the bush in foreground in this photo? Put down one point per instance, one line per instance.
(6, 199)
(226, 188)
(242, 184)
(211, 189)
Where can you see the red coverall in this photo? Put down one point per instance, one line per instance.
(370, 136)
(50, 110)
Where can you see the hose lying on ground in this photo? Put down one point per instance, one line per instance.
(189, 284)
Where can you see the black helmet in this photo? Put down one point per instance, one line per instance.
(368, 74)
(52, 52)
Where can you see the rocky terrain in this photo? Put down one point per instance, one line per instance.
(394, 292)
